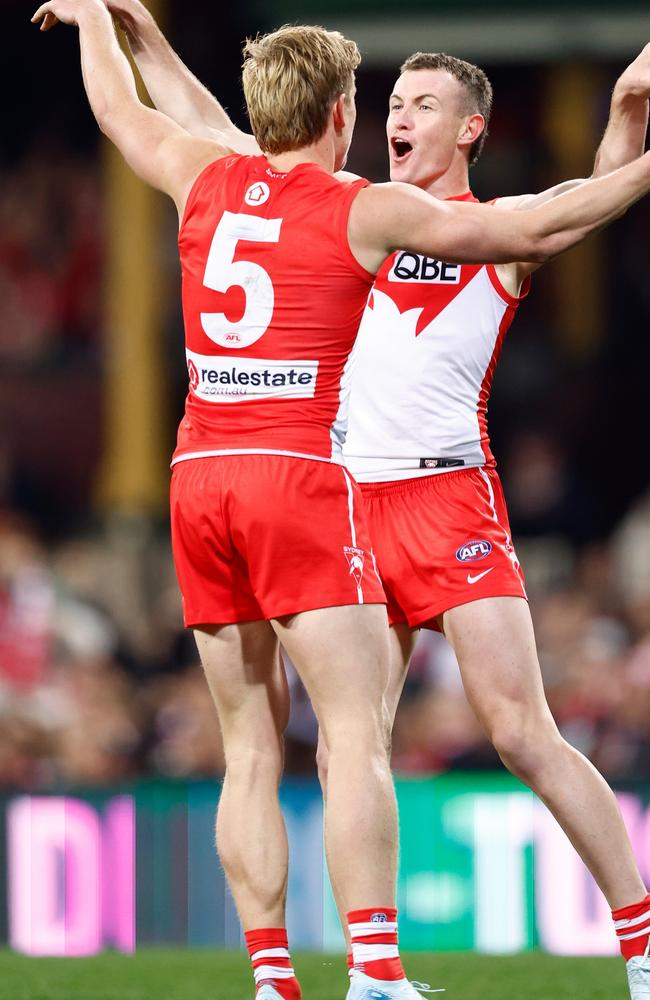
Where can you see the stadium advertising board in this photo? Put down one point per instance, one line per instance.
(483, 867)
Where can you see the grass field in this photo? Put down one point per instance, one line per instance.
(203, 975)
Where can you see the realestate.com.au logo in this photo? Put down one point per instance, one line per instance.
(224, 380)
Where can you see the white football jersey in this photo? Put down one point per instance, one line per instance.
(422, 369)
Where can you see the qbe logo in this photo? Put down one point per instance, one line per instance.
(257, 194)
(472, 551)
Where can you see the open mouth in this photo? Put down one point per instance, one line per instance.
(401, 147)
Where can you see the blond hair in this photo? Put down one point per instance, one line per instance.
(477, 87)
(291, 78)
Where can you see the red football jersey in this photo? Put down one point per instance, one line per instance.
(272, 301)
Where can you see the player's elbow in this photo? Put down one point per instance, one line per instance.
(540, 250)
(549, 245)
(103, 117)
(108, 120)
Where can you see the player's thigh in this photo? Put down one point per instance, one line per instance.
(494, 642)
(402, 640)
(247, 681)
(401, 643)
(342, 657)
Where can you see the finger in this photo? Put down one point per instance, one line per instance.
(50, 21)
(42, 10)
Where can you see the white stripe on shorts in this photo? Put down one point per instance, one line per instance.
(510, 552)
(353, 531)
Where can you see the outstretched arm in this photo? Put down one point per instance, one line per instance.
(173, 88)
(154, 146)
(387, 217)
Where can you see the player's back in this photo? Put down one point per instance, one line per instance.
(272, 301)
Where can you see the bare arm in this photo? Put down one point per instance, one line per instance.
(625, 135)
(624, 138)
(155, 147)
(387, 217)
(172, 86)
(623, 141)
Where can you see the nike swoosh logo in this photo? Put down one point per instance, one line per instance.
(479, 576)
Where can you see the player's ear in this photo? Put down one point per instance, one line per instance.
(470, 130)
(340, 112)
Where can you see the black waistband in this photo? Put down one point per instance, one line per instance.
(441, 463)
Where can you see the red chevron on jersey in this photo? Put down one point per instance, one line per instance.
(410, 275)
(416, 282)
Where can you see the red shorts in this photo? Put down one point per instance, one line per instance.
(260, 536)
(441, 541)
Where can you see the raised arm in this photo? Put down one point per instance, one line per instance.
(388, 217)
(624, 138)
(154, 146)
(173, 88)
(623, 141)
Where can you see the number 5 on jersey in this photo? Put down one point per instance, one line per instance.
(222, 272)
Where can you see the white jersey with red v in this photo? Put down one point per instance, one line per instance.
(423, 364)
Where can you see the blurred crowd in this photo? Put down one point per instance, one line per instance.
(100, 684)
(50, 257)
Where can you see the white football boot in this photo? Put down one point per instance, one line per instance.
(267, 993)
(362, 987)
(638, 975)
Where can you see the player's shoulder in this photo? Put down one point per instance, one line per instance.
(395, 193)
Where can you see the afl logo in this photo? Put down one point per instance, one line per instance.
(257, 194)
(193, 374)
(477, 548)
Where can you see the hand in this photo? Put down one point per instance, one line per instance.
(132, 17)
(65, 11)
(635, 80)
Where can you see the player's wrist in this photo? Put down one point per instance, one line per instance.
(137, 23)
(629, 93)
(92, 13)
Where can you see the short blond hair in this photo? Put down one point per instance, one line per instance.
(291, 78)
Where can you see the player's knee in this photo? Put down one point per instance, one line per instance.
(322, 764)
(371, 726)
(523, 744)
(251, 765)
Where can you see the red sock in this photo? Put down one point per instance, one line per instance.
(269, 954)
(350, 961)
(374, 943)
(632, 925)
